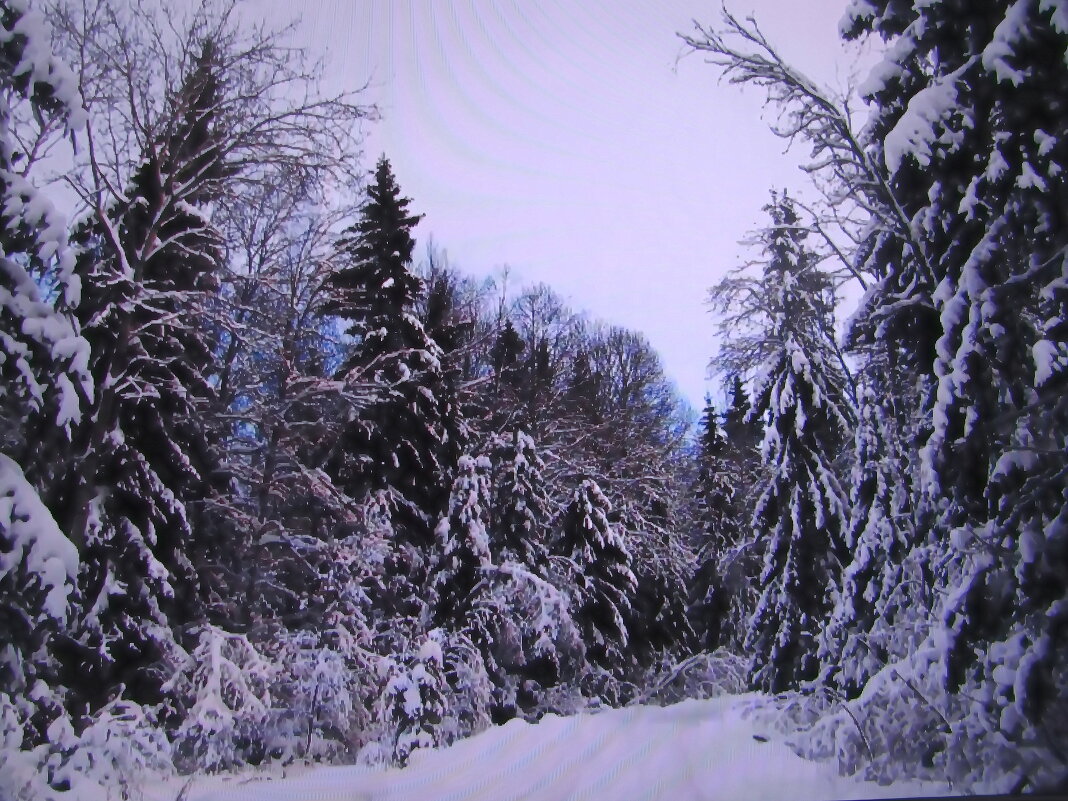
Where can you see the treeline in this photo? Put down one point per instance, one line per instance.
(273, 488)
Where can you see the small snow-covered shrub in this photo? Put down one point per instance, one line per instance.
(222, 697)
(22, 772)
(548, 643)
(469, 690)
(905, 725)
(119, 749)
(703, 675)
(415, 699)
(122, 747)
(322, 693)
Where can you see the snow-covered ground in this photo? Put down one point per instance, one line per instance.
(693, 750)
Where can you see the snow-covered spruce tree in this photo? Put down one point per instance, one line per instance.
(968, 122)
(870, 627)
(519, 513)
(395, 444)
(716, 530)
(506, 360)
(415, 696)
(451, 328)
(38, 568)
(509, 631)
(44, 384)
(462, 543)
(519, 621)
(737, 565)
(478, 604)
(800, 516)
(44, 381)
(658, 627)
(604, 583)
(145, 459)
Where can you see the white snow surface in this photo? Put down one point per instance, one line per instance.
(692, 750)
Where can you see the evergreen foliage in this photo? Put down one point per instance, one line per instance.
(415, 692)
(44, 388)
(717, 530)
(948, 629)
(965, 115)
(799, 519)
(462, 541)
(147, 267)
(520, 508)
(869, 622)
(602, 565)
(396, 444)
(237, 521)
(715, 486)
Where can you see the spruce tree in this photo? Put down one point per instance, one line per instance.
(44, 380)
(743, 431)
(739, 427)
(415, 695)
(396, 441)
(505, 357)
(799, 519)
(869, 622)
(605, 581)
(714, 487)
(967, 116)
(463, 545)
(44, 388)
(520, 511)
(468, 601)
(506, 360)
(146, 460)
(658, 626)
(717, 531)
(452, 332)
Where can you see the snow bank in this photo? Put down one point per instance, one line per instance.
(693, 750)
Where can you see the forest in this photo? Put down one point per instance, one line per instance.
(281, 485)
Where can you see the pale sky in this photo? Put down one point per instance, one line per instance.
(563, 138)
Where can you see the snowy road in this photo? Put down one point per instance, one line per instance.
(694, 750)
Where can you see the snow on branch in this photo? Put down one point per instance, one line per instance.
(841, 165)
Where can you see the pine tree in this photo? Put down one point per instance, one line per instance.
(44, 381)
(505, 358)
(520, 510)
(869, 624)
(966, 121)
(716, 518)
(799, 518)
(605, 583)
(395, 445)
(415, 693)
(146, 460)
(462, 542)
(44, 388)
